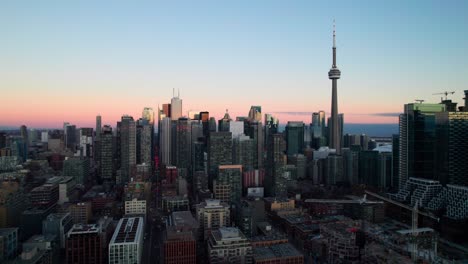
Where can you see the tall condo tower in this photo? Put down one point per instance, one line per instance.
(334, 74)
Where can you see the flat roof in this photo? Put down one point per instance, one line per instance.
(59, 179)
(184, 218)
(276, 251)
(84, 229)
(129, 230)
(228, 234)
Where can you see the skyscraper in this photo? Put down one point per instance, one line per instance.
(255, 131)
(78, 168)
(212, 214)
(183, 143)
(255, 113)
(243, 152)
(271, 126)
(452, 147)
(106, 154)
(144, 142)
(127, 148)
(295, 137)
(219, 151)
(276, 159)
(176, 107)
(228, 184)
(205, 118)
(24, 134)
(334, 74)
(319, 130)
(166, 110)
(223, 124)
(148, 115)
(98, 127)
(417, 150)
(165, 141)
(212, 124)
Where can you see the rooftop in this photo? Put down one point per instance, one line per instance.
(44, 188)
(60, 179)
(84, 229)
(228, 234)
(179, 234)
(175, 198)
(276, 251)
(56, 216)
(277, 199)
(184, 218)
(213, 203)
(40, 239)
(128, 230)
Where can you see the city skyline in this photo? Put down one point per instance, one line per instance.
(225, 56)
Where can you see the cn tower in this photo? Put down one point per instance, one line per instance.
(334, 74)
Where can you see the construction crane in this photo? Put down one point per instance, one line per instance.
(446, 93)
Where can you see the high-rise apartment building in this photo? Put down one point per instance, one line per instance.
(227, 186)
(127, 148)
(70, 137)
(212, 214)
(78, 168)
(452, 147)
(243, 152)
(418, 141)
(219, 151)
(183, 143)
(144, 142)
(276, 159)
(165, 139)
(294, 138)
(255, 131)
(106, 157)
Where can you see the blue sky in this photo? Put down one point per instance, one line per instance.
(97, 55)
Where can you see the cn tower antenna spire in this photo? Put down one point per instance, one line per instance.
(334, 34)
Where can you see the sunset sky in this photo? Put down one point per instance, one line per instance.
(71, 60)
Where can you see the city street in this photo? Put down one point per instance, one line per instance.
(152, 250)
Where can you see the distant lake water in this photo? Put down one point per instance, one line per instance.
(373, 130)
